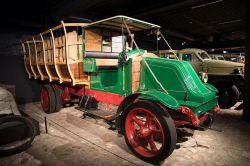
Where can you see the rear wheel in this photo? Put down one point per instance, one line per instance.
(149, 131)
(48, 99)
(228, 96)
(58, 97)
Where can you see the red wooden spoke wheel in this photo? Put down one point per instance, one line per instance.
(149, 133)
(44, 94)
(142, 129)
(48, 99)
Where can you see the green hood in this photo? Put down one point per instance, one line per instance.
(181, 82)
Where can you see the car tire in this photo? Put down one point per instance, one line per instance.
(228, 96)
(16, 133)
(48, 99)
(58, 97)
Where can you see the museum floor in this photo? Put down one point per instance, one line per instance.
(72, 140)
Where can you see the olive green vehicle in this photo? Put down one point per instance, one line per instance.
(227, 77)
(152, 95)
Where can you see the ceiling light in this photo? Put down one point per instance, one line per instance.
(206, 4)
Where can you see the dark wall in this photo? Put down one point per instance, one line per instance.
(246, 104)
(11, 65)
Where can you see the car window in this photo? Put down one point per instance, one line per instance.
(204, 55)
(190, 57)
(187, 57)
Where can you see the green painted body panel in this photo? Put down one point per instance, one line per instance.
(211, 87)
(106, 81)
(127, 78)
(114, 81)
(177, 77)
(89, 65)
(162, 97)
(181, 82)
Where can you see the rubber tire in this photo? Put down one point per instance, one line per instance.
(233, 95)
(167, 123)
(20, 147)
(58, 96)
(52, 98)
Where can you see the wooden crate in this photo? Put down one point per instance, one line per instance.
(93, 40)
(136, 69)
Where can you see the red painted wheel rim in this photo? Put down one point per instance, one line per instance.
(44, 99)
(144, 132)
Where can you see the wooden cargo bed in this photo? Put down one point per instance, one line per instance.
(56, 55)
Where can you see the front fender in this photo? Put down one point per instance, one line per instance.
(161, 97)
(211, 87)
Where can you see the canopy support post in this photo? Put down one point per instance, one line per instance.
(151, 72)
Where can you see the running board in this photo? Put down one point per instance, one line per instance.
(109, 117)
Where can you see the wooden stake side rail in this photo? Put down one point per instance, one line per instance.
(25, 54)
(56, 55)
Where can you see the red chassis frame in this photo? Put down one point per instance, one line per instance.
(70, 93)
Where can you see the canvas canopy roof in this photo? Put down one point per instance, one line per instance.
(115, 23)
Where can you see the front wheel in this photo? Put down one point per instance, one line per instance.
(149, 131)
(228, 96)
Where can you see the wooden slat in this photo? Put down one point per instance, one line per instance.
(136, 67)
(60, 57)
(67, 54)
(66, 80)
(44, 59)
(32, 69)
(58, 72)
(37, 65)
(75, 24)
(24, 59)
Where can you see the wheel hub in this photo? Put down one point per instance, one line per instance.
(145, 132)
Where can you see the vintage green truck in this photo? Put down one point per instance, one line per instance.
(227, 77)
(92, 62)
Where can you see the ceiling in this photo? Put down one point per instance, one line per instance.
(217, 24)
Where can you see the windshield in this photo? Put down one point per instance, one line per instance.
(204, 55)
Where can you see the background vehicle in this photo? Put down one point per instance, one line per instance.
(217, 56)
(235, 58)
(91, 62)
(227, 77)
